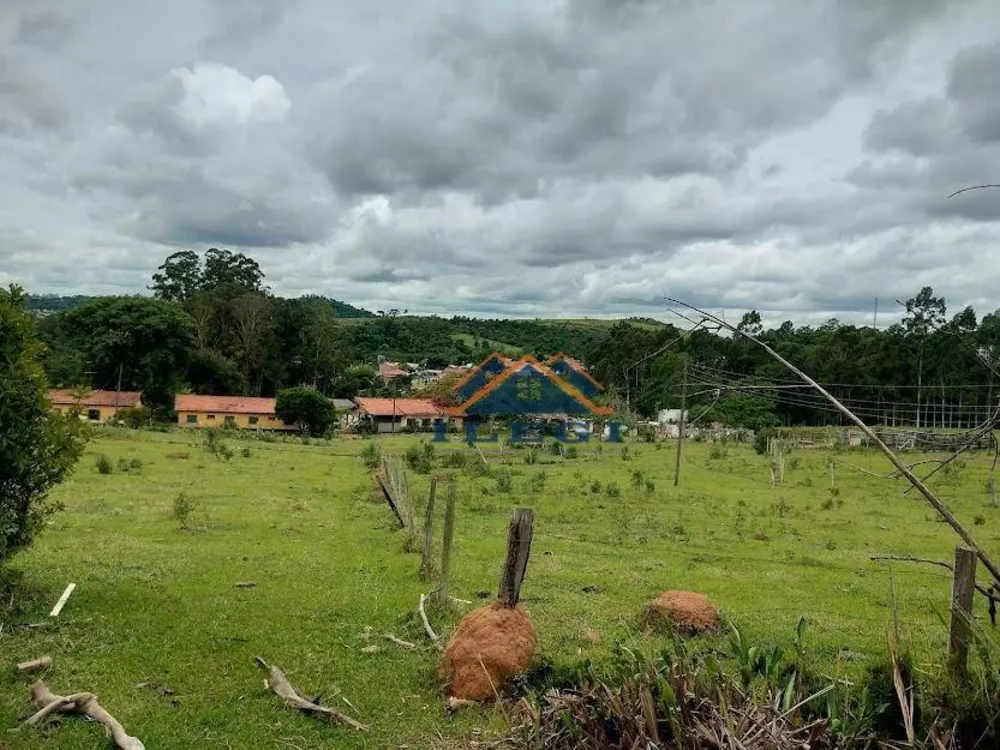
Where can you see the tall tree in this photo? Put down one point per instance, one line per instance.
(252, 322)
(37, 446)
(924, 314)
(179, 278)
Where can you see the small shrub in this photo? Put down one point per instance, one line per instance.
(245, 452)
(834, 491)
(794, 463)
(183, 510)
(611, 490)
(831, 545)
(719, 451)
(637, 479)
(595, 487)
(979, 520)
(571, 452)
(537, 482)
(135, 463)
(761, 536)
(650, 486)
(419, 459)
(531, 456)
(103, 464)
(179, 454)
(827, 504)
(135, 417)
(215, 445)
(657, 446)
(123, 465)
(626, 455)
(555, 448)
(504, 480)
(371, 454)
(454, 460)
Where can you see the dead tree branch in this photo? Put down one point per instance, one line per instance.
(280, 686)
(972, 187)
(84, 704)
(940, 563)
(933, 499)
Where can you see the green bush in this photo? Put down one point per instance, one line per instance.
(611, 490)
(531, 456)
(245, 452)
(626, 455)
(183, 510)
(537, 482)
(504, 480)
(306, 407)
(571, 452)
(595, 487)
(371, 454)
(454, 460)
(214, 445)
(135, 417)
(420, 457)
(103, 464)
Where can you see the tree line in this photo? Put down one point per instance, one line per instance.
(928, 370)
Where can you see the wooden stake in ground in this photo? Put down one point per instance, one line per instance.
(522, 528)
(388, 498)
(962, 587)
(84, 704)
(681, 425)
(447, 542)
(280, 686)
(426, 564)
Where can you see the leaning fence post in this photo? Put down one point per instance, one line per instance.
(446, 545)
(522, 528)
(962, 588)
(428, 548)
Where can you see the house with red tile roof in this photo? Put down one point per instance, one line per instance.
(239, 412)
(94, 406)
(405, 414)
(390, 370)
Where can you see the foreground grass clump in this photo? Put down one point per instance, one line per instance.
(156, 605)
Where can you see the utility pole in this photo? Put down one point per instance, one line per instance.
(682, 424)
(118, 395)
(875, 316)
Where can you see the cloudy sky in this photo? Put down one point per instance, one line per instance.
(529, 157)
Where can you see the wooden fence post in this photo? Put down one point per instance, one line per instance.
(963, 586)
(522, 528)
(428, 548)
(446, 545)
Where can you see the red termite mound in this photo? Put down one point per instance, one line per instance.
(490, 645)
(686, 611)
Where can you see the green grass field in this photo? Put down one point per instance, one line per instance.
(156, 604)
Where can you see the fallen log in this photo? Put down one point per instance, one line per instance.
(84, 704)
(280, 686)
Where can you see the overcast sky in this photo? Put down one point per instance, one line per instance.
(526, 157)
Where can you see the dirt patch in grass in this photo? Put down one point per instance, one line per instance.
(490, 645)
(687, 612)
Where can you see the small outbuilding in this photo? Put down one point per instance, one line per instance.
(94, 406)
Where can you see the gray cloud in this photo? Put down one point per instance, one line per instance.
(579, 157)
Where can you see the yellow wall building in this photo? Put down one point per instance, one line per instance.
(94, 406)
(237, 412)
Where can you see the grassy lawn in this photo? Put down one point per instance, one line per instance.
(156, 604)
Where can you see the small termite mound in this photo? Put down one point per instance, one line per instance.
(685, 612)
(490, 645)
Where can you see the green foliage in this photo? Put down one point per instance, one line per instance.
(103, 464)
(135, 417)
(746, 412)
(420, 458)
(245, 452)
(371, 454)
(626, 454)
(611, 490)
(504, 480)
(536, 483)
(571, 452)
(595, 487)
(531, 455)
(127, 465)
(306, 407)
(183, 509)
(215, 446)
(455, 459)
(37, 447)
(637, 478)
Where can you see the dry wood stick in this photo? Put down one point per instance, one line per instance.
(42, 662)
(962, 589)
(280, 686)
(401, 643)
(428, 548)
(427, 623)
(80, 703)
(903, 469)
(62, 600)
